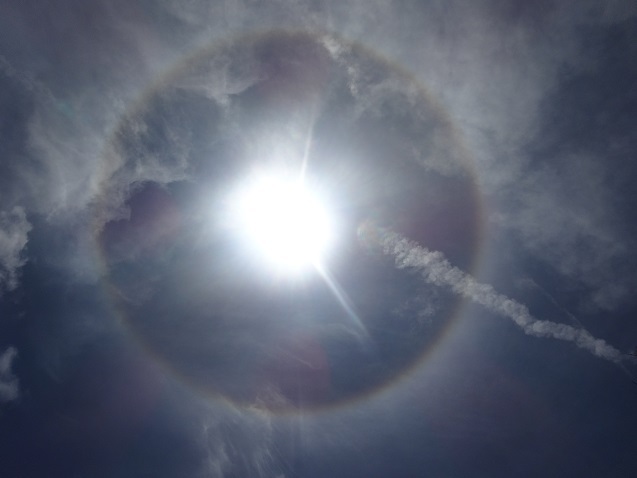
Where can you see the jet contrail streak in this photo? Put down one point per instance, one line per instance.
(437, 270)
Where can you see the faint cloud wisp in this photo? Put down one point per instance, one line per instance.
(9, 386)
(14, 229)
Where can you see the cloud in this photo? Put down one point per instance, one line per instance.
(582, 239)
(540, 105)
(9, 386)
(14, 229)
(240, 444)
(24, 79)
(437, 270)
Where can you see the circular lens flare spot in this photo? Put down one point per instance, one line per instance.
(283, 221)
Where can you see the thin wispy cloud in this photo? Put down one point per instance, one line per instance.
(9, 386)
(14, 229)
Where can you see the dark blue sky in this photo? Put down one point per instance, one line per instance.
(478, 301)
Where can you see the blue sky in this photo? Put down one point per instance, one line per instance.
(472, 316)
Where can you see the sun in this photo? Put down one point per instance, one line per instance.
(283, 221)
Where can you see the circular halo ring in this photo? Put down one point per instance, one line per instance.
(386, 387)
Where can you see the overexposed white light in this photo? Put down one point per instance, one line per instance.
(283, 221)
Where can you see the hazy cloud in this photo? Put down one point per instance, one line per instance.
(9, 386)
(14, 229)
(583, 238)
(240, 444)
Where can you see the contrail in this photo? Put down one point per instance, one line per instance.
(437, 270)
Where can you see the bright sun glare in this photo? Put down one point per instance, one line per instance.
(284, 221)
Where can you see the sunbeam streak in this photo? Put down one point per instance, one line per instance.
(343, 300)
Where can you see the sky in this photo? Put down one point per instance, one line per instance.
(472, 315)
